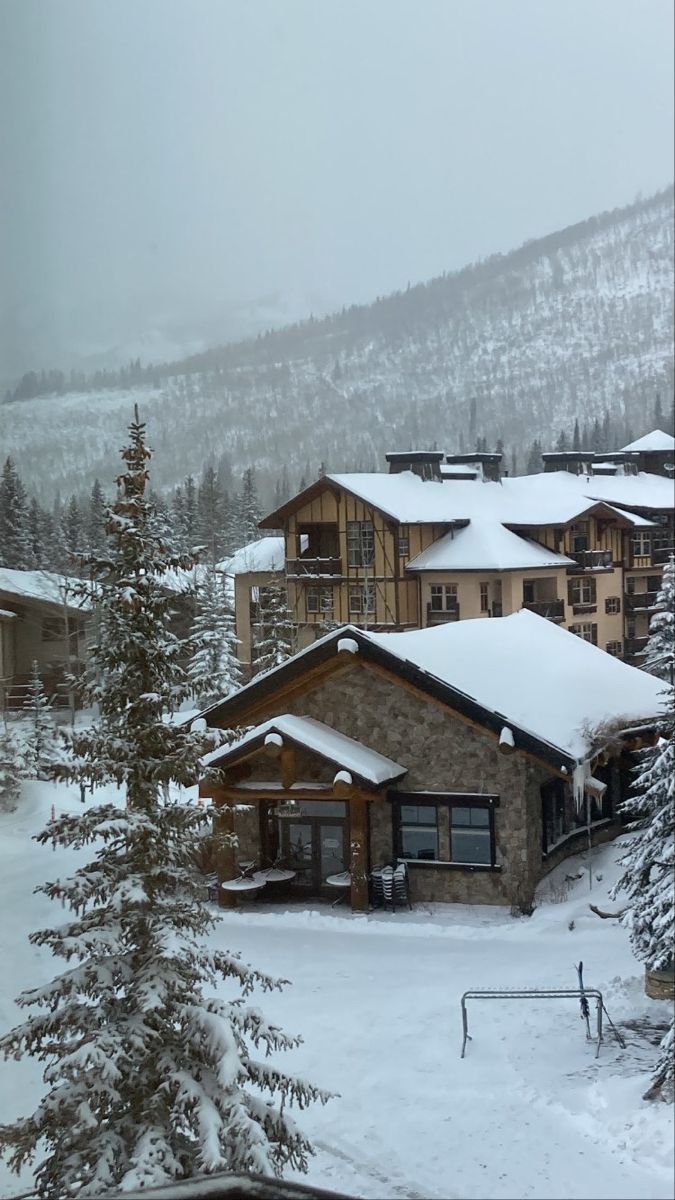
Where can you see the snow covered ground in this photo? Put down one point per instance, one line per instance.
(528, 1113)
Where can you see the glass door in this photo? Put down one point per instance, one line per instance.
(297, 842)
(314, 844)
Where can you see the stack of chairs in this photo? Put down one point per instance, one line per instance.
(390, 887)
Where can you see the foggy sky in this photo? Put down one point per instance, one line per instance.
(166, 162)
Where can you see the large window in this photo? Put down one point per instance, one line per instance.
(360, 543)
(362, 599)
(579, 534)
(319, 599)
(583, 591)
(587, 632)
(642, 543)
(443, 596)
(452, 828)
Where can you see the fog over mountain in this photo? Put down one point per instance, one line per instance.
(177, 175)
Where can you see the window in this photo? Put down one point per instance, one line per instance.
(587, 632)
(452, 828)
(484, 598)
(403, 547)
(470, 837)
(319, 599)
(641, 543)
(360, 543)
(443, 596)
(418, 831)
(556, 818)
(53, 629)
(583, 591)
(615, 648)
(362, 599)
(579, 536)
(613, 604)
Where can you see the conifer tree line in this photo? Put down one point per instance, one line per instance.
(198, 513)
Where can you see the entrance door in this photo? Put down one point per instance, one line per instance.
(315, 844)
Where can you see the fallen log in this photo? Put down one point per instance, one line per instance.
(607, 916)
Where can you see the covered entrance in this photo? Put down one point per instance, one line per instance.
(315, 843)
(303, 814)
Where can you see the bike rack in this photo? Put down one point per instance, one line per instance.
(540, 994)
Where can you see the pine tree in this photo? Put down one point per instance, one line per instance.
(11, 771)
(95, 522)
(576, 436)
(274, 634)
(648, 877)
(73, 535)
(248, 509)
(148, 1079)
(534, 459)
(15, 542)
(214, 670)
(211, 514)
(41, 746)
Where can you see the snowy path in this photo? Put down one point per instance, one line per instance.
(528, 1113)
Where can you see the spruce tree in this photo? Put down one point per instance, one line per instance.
(96, 517)
(214, 670)
(648, 864)
(42, 743)
(15, 541)
(248, 510)
(11, 771)
(274, 633)
(148, 1078)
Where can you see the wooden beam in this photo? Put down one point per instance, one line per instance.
(288, 767)
(342, 790)
(225, 853)
(358, 847)
(279, 795)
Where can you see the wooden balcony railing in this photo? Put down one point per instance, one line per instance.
(553, 610)
(592, 560)
(634, 647)
(641, 601)
(661, 554)
(297, 567)
(440, 616)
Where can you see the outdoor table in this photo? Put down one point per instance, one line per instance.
(342, 880)
(242, 884)
(274, 875)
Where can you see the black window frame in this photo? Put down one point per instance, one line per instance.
(448, 800)
(612, 605)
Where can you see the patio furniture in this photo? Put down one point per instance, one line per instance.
(342, 880)
(390, 886)
(242, 885)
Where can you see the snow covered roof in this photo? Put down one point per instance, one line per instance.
(41, 585)
(6, 615)
(485, 545)
(313, 735)
(555, 691)
(266, 554)
(656, 440)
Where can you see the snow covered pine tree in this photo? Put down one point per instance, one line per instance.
(274, 630)
(214, 671)
(648, 876)
(42, 745)
(148, 1079)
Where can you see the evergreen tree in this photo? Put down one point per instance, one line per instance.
(15, 541)
(648, 864)
(214, 670)
(95, 522)
(576, 436)
(148, 1078)
(658, 412)
(73, 535)
(211, 514)
(562, 443)
(534, 459)
(248, 510)
(41, 746)
(274, 633)
(11, 770)
(41, 536)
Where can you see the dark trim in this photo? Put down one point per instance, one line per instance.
(437, 865)
(452, 799)
(231, 711)
(235, 754)
(447, 800)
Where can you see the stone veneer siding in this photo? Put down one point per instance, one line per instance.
(442, 753)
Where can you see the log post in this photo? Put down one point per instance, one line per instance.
(358, 845)
(225, 846)
(288, 771)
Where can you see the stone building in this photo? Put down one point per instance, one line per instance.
(477, 752)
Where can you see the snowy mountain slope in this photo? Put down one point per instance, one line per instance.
(517, 347)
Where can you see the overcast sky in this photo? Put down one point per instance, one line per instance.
(168, 161)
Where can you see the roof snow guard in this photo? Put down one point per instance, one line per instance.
(424, 463)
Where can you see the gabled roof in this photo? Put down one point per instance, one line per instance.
(485, 546)
(553, 690)
(44, 586)
(655, 441)
(343, 752)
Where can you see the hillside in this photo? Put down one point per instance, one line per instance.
(514, 348)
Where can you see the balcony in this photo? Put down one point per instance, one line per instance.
(634, 647)
(592, 560)
(297, 567)
(440, 616)
(661, 554)
(553, 610)
(641, 601)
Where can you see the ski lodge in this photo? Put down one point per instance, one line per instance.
(477, 753)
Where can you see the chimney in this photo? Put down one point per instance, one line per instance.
(424, 463)
(487, 466)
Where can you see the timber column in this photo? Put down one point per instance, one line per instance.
(224, 841)
(358, 846)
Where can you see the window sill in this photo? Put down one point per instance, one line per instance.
(448, 866)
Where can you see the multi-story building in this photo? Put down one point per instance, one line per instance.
(440, 538)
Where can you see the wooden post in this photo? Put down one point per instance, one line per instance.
(288, 772)
(358, 844)
(225, 848)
